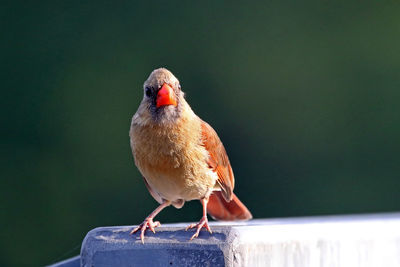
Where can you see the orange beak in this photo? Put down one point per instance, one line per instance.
(165, 96)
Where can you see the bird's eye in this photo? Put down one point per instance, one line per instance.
(148, 91)
(179, 86)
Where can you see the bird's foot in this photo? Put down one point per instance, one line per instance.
(202, 223)
(148, 222)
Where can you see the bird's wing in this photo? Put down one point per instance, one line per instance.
(218, 160)
(152, 193)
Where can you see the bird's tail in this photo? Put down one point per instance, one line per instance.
(222, 210)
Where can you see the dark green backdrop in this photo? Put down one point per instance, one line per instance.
(305, 97)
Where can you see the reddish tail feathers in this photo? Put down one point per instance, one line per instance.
(222, 210)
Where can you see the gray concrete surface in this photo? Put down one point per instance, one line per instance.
(71, 262)
(356, 240)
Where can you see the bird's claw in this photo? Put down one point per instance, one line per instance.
(148, 222)
(202, 223)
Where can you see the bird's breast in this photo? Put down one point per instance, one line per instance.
(172, 159)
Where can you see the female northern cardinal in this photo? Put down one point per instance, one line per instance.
(180, 156)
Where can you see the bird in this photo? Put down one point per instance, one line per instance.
(180, 156)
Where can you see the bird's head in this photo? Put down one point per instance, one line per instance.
(163, 95)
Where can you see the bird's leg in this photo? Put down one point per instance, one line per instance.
(148, 222)
(203, 221)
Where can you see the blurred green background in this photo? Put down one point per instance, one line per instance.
(305, 97)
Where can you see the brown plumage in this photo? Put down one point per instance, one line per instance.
(180, 156)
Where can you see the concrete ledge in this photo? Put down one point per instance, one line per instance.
(364, 240)
(71, 262)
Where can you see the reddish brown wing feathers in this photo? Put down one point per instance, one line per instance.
(222, 205)
(218, 160)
